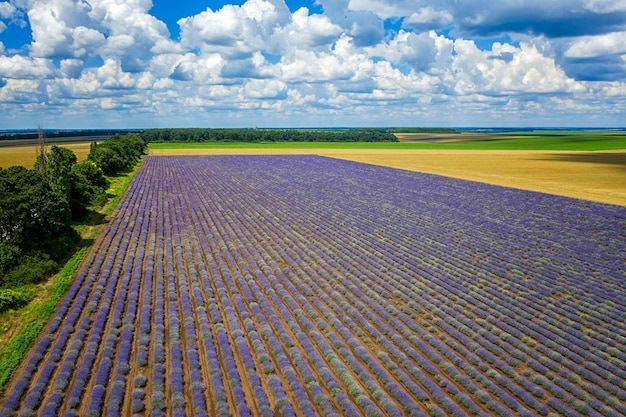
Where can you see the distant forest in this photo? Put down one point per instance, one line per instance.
(54, 134)
(364, 134)
(266, 135)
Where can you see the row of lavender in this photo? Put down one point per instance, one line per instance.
(250, 285)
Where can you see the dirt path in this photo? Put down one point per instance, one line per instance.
(594, 176)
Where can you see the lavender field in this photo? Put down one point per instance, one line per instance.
(304, 285)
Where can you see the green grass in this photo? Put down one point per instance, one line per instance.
(11, 355)
(543, 141)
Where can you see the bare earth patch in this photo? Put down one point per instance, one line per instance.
(594, 176)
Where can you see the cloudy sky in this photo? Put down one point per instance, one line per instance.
(283, 63)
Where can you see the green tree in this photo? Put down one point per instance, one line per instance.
(117, 154)
(107, 159)
(35, 226)
(89, 187)
(78, 185)
(59, 170)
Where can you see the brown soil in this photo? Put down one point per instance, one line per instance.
(594, 176)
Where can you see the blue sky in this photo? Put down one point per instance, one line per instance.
(275, 63)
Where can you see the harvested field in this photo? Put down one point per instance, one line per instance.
(595, 176)
(452, 137)
(305, 285)
(27, 154)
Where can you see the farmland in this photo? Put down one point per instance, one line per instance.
(595, 176)
(26, 154)
(299, 285)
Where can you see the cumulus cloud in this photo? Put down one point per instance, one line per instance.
(417, 50)
(557, 18)
(428, 18)
(525, 70)
(22, 67)
(306, 31)
(265, 89)
(234, 31)
(71, 68)
(133, 35)
(594, 46)
(7, 10)
(356, 60)
(365, 27)
(53, 24)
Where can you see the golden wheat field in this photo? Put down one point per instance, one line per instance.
(595, 176)
(27, 154)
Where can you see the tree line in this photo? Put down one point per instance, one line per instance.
(265, 135)
(39, 206)
(55, 134)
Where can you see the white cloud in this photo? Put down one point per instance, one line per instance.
(507, 69)
(23, 91)
(384, 8)
(235, 31)
(418, 51)
(71, 68)
(133, 35)
(605, 6)
(21, 67)
(86, 41)
(615, 89)
(111, 76)
(595, 46)
(307, 31)
(428, 18)
(259, 62)
(265, 89)
(314, 67)
(7, 10)
(77, 88)
(53, 24)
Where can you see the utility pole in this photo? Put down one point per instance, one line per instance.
(41, 164)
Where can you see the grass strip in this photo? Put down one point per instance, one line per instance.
(11, 355)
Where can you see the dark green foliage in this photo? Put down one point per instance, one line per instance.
(63, 134)
(12, 299)
(32, 214)
(118, 154)
(35, 215)
(88, 187)
(266, 135)
(9, 257)
(59, 169)
(32, 269)
(107, 158)
(90, 174)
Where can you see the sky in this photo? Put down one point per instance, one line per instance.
(74, 64)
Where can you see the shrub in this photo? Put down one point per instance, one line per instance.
(31, 270)
(12, 299)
